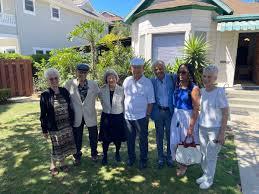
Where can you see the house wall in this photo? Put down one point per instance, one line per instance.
(39, 31)
(223, 46)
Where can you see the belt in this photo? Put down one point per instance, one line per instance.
(163, 108)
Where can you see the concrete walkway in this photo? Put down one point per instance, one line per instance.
(245, 124)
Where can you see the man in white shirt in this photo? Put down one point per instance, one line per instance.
(139, 97)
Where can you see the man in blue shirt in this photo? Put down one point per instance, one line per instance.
(162, 112)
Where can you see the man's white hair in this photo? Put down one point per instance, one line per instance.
(158, 62)
(211, 69)
(51, 72)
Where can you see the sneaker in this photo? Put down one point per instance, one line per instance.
(205, 185)
(201, 179)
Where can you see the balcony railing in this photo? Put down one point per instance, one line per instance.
(7, 19)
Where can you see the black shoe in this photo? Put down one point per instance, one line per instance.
(160, 164)
(130, 162)
(104, 161)
(118, 157)
(77, 162)
(142, 165)
(170, 164)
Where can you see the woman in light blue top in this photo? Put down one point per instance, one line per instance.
(186, 102)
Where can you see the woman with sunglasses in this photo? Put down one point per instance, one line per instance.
(57, 117)
(186, 103)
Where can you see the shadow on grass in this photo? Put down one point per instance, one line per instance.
(25, 155)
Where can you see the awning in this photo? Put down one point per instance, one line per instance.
(238, 26)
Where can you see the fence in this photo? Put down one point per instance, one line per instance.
(16, 75)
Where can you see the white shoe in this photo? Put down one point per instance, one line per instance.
(201, 179)
(205, 185)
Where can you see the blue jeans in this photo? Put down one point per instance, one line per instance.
(141, 127)
(162, 125)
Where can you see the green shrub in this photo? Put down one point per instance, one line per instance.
(13, 56)
(38, 57)
(4, 94)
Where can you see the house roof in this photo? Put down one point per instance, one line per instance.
(224, 7)
(69, 4)
(111, 16)
(240, 7)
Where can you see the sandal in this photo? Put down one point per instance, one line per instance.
(54, 171)
(64, 168)
(181, 170)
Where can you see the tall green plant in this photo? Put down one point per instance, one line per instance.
(91, 31)
(195, 53)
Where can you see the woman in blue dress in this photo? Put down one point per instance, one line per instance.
(186, 102)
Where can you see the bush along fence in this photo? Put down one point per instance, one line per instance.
(16, 74)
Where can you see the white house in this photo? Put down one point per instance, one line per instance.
(160, 27)
(37, 26)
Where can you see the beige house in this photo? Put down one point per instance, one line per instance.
(37, 26)
(160, 27)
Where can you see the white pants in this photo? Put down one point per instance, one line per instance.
(209, 151)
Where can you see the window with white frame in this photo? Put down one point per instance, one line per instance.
(1, 6)
(29, 6)
(8, 49)
(41, 50)
(55, 13)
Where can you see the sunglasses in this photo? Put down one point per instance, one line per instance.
(53, 78)
(183, 72)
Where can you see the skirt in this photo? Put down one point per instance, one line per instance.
(179, 125)
(112, 128)
(63, 143)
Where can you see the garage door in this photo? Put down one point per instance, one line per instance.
(167, 47)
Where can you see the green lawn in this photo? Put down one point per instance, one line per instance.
(24, 164)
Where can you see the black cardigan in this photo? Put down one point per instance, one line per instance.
(47, 114)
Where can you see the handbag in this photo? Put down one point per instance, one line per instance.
(188, 153)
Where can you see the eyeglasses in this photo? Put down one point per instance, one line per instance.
(53, 78)
(183, 72)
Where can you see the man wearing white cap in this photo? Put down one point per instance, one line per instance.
(139, 97)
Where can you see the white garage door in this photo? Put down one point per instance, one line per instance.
(167, 47)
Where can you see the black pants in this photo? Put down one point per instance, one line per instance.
(78, 135)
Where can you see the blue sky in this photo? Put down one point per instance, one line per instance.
(119, 7)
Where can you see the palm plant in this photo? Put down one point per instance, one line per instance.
(195, 53)
(91, 31)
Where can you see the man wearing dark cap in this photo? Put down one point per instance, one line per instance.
(83, 94)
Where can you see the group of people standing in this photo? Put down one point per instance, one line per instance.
(174, 102)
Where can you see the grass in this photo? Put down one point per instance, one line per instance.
(25, 154)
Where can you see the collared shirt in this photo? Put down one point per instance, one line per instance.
(161, 93)
(138, 94)
(83, 90)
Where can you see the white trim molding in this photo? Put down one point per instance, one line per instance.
(1, 6)
(28, 11)
(2, 36)
(51, 13)
(5, 49)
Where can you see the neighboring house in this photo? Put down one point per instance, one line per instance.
(111, 18)
(160, 27)
(37, 26)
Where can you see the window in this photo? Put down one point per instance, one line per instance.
(1, 6)
(8, 49)
(41, 50)
(55, 13)
(29, 6)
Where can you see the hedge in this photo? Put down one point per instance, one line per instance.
(4, 94)
(12, 56)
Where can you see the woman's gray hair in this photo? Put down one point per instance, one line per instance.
(212, 69)
(109, 72)
(51, 72)
(158, 62)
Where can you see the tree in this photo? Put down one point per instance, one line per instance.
(121, 30)
(91, 31)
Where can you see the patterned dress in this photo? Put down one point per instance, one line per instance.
(62, 140)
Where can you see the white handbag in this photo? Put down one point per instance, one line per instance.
(188, 153)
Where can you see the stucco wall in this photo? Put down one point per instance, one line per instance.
(39, 31)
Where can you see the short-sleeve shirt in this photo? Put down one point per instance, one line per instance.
(212, 103)
(138, 94)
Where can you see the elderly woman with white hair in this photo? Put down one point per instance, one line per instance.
(57, 117)
(112, 126)
(212, 124)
